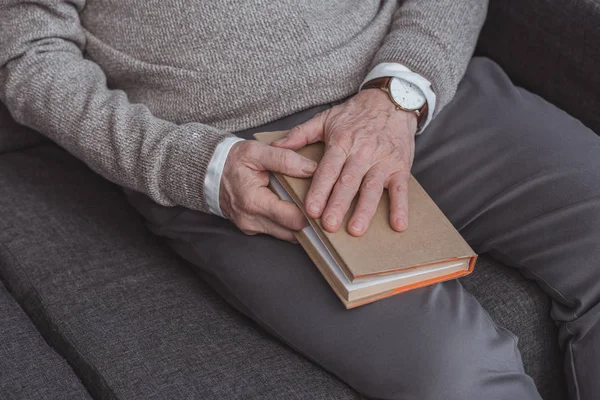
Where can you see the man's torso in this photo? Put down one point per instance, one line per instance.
(234, 64)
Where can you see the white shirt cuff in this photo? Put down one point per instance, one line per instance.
(212, 180)
(400, 71)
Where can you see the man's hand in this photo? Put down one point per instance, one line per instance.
(369, 147)
(245, 198)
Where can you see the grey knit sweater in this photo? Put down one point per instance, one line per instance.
(144, 90)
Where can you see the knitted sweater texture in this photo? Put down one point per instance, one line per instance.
(144, 90)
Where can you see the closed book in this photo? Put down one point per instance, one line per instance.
(382, 262)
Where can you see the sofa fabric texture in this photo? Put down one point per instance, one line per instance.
(550, 48)
(29, 368)
(136, 323)
(129, 316)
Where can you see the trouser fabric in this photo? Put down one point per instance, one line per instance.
(519, 178)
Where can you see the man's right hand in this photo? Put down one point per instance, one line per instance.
(246, 200)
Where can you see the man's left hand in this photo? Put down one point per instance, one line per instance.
(369, 146)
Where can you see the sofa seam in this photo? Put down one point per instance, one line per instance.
(52, 324)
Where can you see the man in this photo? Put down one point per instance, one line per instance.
(148, 92)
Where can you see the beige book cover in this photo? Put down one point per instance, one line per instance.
(382, 262)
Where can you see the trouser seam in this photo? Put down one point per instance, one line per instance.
(572, 362)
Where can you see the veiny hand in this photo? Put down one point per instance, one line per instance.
(369, 147)
(245, 198)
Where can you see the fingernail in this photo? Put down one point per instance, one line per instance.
(313, 208)
(331, 220)
(358, 225)
(309, 166)
(279, 141)
(400, 223)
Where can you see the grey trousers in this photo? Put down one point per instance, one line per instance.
(519, 179)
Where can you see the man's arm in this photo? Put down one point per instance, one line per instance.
(47, 85)
(436, 39)
(370, 144)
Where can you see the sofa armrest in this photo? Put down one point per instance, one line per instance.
(551, 48)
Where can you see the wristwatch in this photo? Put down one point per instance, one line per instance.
(405, 95)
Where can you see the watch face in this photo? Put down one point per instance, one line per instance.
(406, 94)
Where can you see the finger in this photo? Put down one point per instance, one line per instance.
(343, 193)
(368, 200)
(398, 190)
(325, 177)
(265, 226)
(284, 213)
(309, 132)
(278, 231)
(285, 161)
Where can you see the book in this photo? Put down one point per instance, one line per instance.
(382, 262)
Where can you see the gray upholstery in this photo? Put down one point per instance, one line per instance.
(136, 323)
(29, 368)
(131, 318)
(551, 48)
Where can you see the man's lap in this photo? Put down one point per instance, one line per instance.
(370, 347)
(465, 161)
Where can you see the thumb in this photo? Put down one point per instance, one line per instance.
(309, 132)
(287, 162)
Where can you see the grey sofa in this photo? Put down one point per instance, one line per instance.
(94, 306)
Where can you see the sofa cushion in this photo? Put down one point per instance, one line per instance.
(133, 320)
(551, 48)
(136, 323)
(29, 368)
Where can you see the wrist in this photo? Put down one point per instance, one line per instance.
(397, 70)
(403, 94)
(378, 99)
(215, 172)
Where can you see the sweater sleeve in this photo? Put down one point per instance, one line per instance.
(48, 85)
(436, 39)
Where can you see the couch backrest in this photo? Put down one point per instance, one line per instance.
(551, 48)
